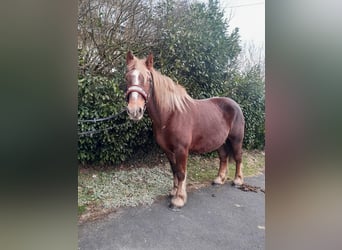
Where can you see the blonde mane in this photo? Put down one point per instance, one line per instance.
(169, 96)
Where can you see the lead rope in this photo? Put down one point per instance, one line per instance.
(91, 132)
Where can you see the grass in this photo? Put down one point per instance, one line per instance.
(103, 189)
(203, 169)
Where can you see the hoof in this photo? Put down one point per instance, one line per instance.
(178, 201)
(215, 184)
(174, 208)
(238, 181)
(218, 181)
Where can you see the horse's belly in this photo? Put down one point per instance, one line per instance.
(205, 143)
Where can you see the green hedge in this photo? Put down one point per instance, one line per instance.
(248, 90)
(196, 48)
(193, 47)
(101, 97)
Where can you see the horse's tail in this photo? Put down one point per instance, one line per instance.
(229, 150)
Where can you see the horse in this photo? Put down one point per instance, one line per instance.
(183, 125)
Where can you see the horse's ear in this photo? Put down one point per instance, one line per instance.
(149, 61)
(129, 57)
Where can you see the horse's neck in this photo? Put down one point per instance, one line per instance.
(158, 117)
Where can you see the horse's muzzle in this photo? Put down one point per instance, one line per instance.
(135, 113)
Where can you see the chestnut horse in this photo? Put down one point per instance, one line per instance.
(182, 124)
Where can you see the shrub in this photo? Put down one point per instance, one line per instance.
(98, 97)
(191, 44)
(248, 90)
(197, 57)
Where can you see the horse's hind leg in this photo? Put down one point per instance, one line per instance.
(223, 155)
(237, 154)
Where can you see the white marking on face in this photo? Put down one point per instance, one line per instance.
(135, 79)
(134, 96)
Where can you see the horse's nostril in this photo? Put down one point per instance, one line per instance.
(135, 112)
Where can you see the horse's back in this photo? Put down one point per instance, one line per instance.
(213, 120)
(225, 106)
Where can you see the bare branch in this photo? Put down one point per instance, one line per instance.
(107, 28)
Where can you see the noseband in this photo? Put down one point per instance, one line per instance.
(137, 88)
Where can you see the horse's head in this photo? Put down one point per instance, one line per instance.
(139, 85)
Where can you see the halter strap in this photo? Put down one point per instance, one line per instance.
(137, 88)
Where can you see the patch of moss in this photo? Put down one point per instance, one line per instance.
(81, 209)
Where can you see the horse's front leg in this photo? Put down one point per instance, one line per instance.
(180, 197)
(172, 159)
(174, 189)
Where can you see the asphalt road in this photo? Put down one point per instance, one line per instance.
(221, 217)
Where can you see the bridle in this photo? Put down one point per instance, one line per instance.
(137, 88)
